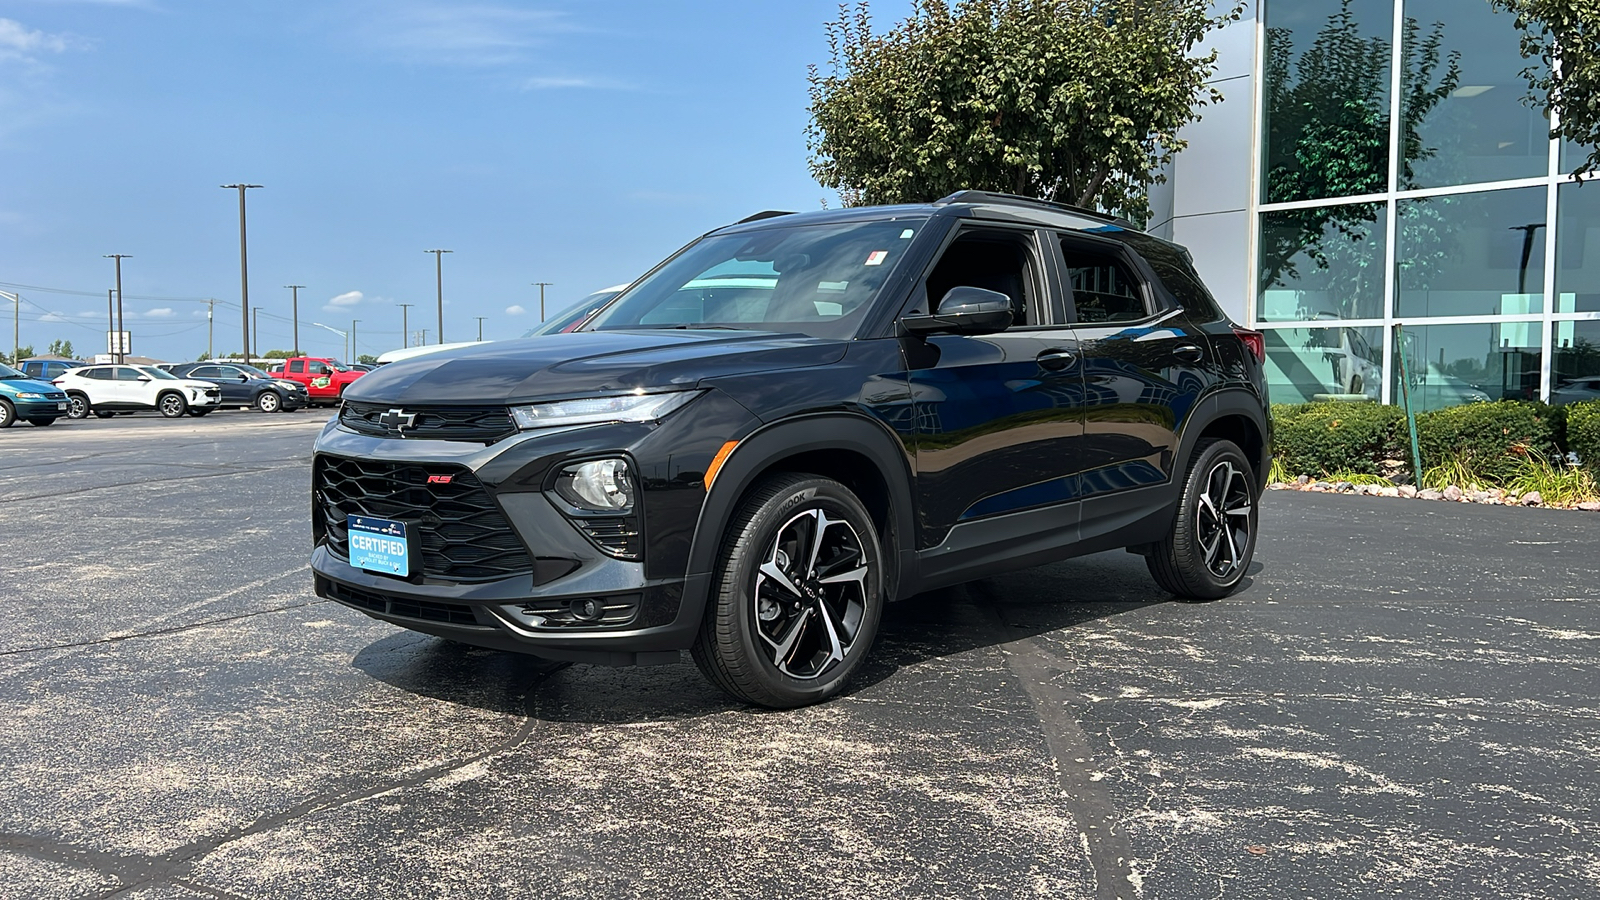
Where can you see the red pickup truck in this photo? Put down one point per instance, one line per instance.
(325, 379)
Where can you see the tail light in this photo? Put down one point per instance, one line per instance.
(1255, 341)
(56, 382)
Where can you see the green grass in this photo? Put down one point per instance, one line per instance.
(1557, 483)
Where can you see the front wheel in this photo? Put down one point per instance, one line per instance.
(42, 423)
(7, 414)
(197, 413)
(269, 401)
(172, 406)
(77, 406)
(796, 595)
(1212, 540)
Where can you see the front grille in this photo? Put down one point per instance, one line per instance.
(616, 611)
(405, 607)
(461, 533)
(482, 424)
(55, 395)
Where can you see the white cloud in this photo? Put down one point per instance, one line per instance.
(17, 41)
(160, 312)
(581, 83)
(344, 301)
(52, 317)
(471, 34)
(515, 310)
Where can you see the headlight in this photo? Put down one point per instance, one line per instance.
(601, 485)
(625, 408)
(288, 385)
(30, 395)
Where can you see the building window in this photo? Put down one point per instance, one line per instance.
(1578, 249)
(1472, 254)
(1322, 263)
(1326, 93)
(1576, 366)
(1309, 364)
(1449, 365)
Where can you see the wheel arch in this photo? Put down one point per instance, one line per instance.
(1237, 415)
(857, 451)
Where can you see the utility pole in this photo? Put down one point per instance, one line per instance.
(405, 335)
(111, 317)
(542, 285)
(424, 338)
(353, 351)
(244, 270)
(121, 351)
(211, 315)
(480, 325)
(438, 273)
(296, 288)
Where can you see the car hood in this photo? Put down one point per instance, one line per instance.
(557, 366)
(27, 386)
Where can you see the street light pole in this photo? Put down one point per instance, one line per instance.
(296, 288)
(405, 336)
(480, 325)
(211, 317)
(351, 356)
(121, 350)
(244, 270)
(438, 273)
(542, 285)
(111, 318)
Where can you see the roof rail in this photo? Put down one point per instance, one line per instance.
(1019, 200)
(765, 214)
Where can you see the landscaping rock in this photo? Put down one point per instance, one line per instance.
(1479, 497)
(1408, 491)
(1344, 487)
(1277, 486)
(1452, 493)
(1303, 480)
(1430, 494)
(1590, 506)
(1532, 498)
(1391, 492)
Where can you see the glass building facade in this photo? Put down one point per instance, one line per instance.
(1414, 225)
(1377, 195)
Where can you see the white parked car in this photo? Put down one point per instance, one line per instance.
(108, 390)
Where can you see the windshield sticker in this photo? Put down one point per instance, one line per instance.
(906, 235)
(837, 287)
(877, 257)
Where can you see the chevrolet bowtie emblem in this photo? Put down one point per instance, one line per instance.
(397, 419)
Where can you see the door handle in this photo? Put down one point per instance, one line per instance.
(1057, 359)
(1189, 353)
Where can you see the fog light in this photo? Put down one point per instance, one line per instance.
(601, 485)
(588, 609)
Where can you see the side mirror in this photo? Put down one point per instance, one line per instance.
(144, 378)
(964, 310)
(243, 377)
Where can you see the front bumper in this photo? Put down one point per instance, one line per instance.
(525, 611)
(39, 409)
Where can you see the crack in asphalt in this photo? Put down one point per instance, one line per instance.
(145, 481)
(136, 872)
(161, 632)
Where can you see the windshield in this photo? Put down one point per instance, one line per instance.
(252, 371)
(8, 372)
(158, 374)
(574, 315)
(813, 279)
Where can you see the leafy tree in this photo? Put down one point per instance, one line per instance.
(23, 352)
(1564, 37)
(367, 359)
(62, 348)
(1079, 101)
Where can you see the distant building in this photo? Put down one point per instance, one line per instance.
(1350, 183)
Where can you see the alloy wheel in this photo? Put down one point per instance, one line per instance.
(810, 595)
(77, 407)
(1223, 519)
(172, 406)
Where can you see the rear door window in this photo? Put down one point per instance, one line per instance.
(1104, 289)
(297, 367)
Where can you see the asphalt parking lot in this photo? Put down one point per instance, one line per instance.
(1402, 702)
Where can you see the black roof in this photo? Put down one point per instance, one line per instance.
(980, 204)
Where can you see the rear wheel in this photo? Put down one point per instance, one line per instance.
(41, 422)
(796, 595)
(172, 405)
(197, 413)
(1214, 536)
(103, 414)
(77, 406)
(269, 401)
(8, 414)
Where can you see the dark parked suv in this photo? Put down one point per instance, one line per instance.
(793, 421)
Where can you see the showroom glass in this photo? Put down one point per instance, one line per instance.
(1323, 263)
(1307, 364)
(1454, 364)
(1474, 128)
(1472, 254)
(1326, 98)
(1575, 368)
(811, 279)
(1578, 248)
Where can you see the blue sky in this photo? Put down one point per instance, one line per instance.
(574, 143)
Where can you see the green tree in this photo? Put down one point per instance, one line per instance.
(62, 348)
(23, 352)
(1564, 37)
(1078, 101)
(367, 359)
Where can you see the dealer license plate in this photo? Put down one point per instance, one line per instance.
(61, 406)
(379, 545)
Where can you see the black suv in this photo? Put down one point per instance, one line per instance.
(792, 421)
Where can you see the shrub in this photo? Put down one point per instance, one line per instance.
(1492, 440)
(1583, 433)
(1324, 438)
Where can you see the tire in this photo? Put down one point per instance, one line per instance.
(1207, 553)
(42, 422)
(8, 414)
(103, 414)
(269, 402)
(172, 405)
(774, 640)
(77, 406)
(197, 413)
